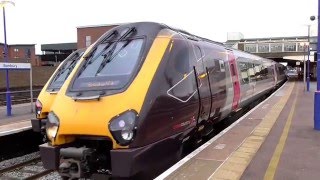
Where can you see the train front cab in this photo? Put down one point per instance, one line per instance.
(51, 88)
(95, 113)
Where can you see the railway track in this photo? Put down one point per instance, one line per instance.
(27, 170)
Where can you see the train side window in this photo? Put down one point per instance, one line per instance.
(222, 66)
(251, 72)
(257, 71)
(244, 72)
(281, 72)
(264, 72)
(180, 57)
(199, 60)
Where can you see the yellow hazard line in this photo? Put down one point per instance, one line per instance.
(280, 146)
(238, 161)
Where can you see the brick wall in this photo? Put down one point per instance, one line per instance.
(18, 53)
(40, 76)
(93, 32)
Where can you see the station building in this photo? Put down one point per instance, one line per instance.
(53, 54)
(292, 51)
(19, 53)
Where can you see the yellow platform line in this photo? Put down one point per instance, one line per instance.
(238, 161)
(280, 146)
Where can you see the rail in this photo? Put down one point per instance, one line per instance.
(22, 167)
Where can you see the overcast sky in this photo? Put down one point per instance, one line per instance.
(55, 21)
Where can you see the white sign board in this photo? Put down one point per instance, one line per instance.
(13, 66)
(297, 63)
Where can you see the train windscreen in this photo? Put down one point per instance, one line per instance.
(110, 66)
(64, 71)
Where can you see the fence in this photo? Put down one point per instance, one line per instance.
(18, 97)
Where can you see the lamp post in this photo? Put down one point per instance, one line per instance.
(304, 45)
(308, 61)
(317, 92)
(5, 48)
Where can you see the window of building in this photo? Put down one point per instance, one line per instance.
(302, 47)
(290, 47)
(252, 48)
(276, 47)
(27, 53)
(88, 41)
(263, 48)
(16, 50)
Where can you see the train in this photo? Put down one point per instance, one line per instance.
(51, 88)
(141, 93)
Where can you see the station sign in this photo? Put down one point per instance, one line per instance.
(15, 66)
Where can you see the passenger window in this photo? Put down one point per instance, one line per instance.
(244, 72)
(222, 67)
(257, 71)
(264, 72)
(251, 72)
(180, 56)
(199, 60)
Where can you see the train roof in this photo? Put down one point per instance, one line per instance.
(154, 28)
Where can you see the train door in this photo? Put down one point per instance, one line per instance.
(203, 84)
(235, 81)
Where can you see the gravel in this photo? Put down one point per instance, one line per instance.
(15, 175)
(35, 168)
(53, 176)
(17, 160)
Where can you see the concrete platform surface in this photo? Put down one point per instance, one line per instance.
(263, 144)
(19, 121)
(292, 149)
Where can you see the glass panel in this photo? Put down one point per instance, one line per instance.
(110, 67)
(276, 47)
(302, 47)
(244, 72)
(289, 46)
(250, 48)
(64, 71)
(263, 48)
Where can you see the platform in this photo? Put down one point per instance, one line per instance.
(275, 140)
(19, 121)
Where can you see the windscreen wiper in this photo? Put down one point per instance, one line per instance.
(114, 33)
(70, 68)
(72, 64)
(101, 42)
(110, 54)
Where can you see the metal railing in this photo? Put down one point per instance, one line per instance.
(18, 97)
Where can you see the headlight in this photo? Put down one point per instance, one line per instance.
(52, 126)
(38, 107)
(123, 127)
